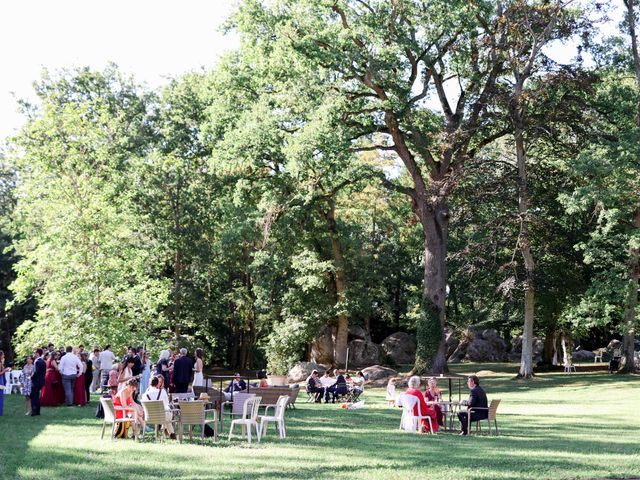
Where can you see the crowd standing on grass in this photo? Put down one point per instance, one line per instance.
(55, 376)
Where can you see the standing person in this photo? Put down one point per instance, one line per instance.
(198, 378)
(95, 369)
(2, 382)
(80, 388)
(162, 368)
(106, 365)
(88, 374)
(25, 382)
(477, 398)
(52, 384)
(182, 371)
(137, 353)
(37, 381)
(146, 371)
(70, 369)
(125, 372)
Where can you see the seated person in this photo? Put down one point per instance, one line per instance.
(327, 383)
(261, 375)
(358, 384)
(433, 394)
(413, 389)
(236, 385)
(339, 387)
(124, 398)
(478, 399)
(314, 386)
(156, 391)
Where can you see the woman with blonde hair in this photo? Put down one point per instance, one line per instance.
(434, 394)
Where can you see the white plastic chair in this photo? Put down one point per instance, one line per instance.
(249, 418)
(12, 381)
(569, 367)
(409, 421)
(277, 417)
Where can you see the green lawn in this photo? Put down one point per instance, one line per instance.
(556, 426)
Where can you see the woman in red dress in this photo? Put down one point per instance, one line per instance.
(124, 398)
(50, 396)
(433, 394)
(79, 391)
(414, 385)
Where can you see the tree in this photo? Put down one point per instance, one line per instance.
(386, 59)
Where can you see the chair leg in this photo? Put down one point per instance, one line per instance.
(249, 434)
(104, 424)
(496, 425)
(113, 431)
(230, 430)
(489, 422)
(180, 431)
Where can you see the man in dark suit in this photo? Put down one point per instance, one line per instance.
(182, 371)
(37, 382)
(236, 385)
(476, 405)
(137, 362)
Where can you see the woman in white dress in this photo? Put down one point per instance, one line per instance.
(198, 379)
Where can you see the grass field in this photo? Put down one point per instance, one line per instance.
(557, 426)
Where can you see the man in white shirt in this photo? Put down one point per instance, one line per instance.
(106, 364)
(70, 369)
(157, 392)
(327, 382)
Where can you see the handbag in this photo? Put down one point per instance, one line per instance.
(122, 429)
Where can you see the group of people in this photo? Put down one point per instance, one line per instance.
(428, 403)
(58, 376)
(330, 388)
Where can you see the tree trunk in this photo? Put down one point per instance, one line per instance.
(431, 352)
(342, 332)
(633, 269)
(567, 349)
(524, 240)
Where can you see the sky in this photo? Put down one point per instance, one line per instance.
(151, 40)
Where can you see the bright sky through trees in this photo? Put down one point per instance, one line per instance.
(149, 39)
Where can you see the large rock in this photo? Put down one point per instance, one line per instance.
(516, 349)
(356, 332)
(302, 370)
(363, 353)
(377, 372)
(322, 347)
(466, 337)
(400, 347)
(481, 350)
(583, 356)
(487, 346)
